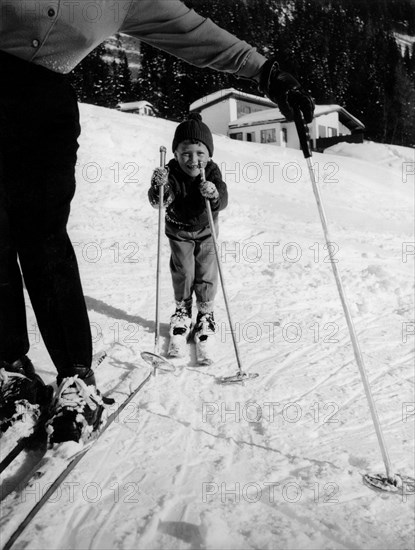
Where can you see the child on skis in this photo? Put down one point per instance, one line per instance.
(193, 263)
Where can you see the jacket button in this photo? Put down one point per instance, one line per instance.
(35, 43)
(51, 12)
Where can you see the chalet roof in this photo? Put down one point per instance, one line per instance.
(269, 116)
(221, 95)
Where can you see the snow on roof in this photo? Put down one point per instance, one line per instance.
(268, 116)
(133, 105)
(220, 95)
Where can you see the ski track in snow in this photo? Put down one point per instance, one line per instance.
(275, 463)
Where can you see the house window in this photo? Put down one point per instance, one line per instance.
(250, 136)
(245, 110)
(236, 135)
(321, 131)
(284, 135)
(331, 132)
(268, 136)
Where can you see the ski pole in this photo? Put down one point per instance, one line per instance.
(240, 375)
(155, 359)
(302, 131)
(158, 270)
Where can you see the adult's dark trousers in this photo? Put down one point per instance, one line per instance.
(39, 127)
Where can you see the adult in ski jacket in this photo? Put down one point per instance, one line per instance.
(40, 43)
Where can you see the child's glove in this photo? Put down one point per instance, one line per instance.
(209, 191)
(159, 177)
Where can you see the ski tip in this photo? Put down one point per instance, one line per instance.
(98, 358)
(238, 377)
(67, 449)
(205, 362)
(176, 354)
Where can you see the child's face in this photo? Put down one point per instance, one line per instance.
(188, 156)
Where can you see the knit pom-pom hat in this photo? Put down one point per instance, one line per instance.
(193, 128)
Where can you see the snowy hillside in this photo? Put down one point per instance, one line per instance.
(277, 463)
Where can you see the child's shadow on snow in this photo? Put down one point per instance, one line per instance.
(105, 309)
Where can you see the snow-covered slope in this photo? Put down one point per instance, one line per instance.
(277, 463)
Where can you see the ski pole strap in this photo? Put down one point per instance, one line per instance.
(303, 135)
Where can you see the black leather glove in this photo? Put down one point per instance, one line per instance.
(285, 91)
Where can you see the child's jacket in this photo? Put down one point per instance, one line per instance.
(186, 206)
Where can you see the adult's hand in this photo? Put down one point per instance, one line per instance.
(285, 90)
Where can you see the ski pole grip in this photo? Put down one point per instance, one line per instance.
(163, 151)
(202, 171)
(302, 131)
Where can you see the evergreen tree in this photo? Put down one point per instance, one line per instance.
(264, 21)
(401, 108)
(121, 77)
(92, 78)
(345, 52)
(149, 84)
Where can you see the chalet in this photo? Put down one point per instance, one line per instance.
(219, 108)
(247, 117)
(137, 107)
